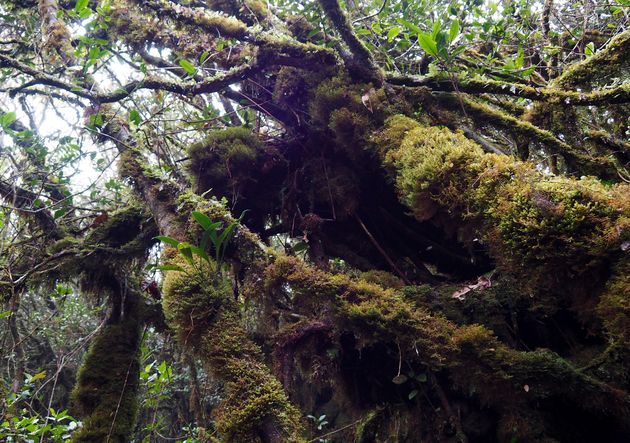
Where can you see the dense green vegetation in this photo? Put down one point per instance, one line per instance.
(320, 220)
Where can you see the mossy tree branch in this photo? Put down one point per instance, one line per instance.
(363, 61)
(616, 95)
(105, 394)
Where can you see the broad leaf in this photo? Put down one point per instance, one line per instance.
(168, 240)
(188, 67)
(203, 220)
(428, 43)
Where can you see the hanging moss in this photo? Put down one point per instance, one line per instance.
(614, 304)
(105, 394)
(223, 161)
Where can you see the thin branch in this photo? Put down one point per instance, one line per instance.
(383, 253)
(617, 95)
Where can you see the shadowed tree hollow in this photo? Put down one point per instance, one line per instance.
(334, 221)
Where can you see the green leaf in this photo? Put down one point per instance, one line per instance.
(412, 394)
(437, 26)
(299, 247)
(5, 314)
(407, 24)
(81, 5)
(454, 31)
(529, 71)
(202, 58)
(170, 268)
(200, 253)
(428, 43)
(188, 67)
(589, 49)
(393, 33)
(204, 240)
(184, 249)
(520, 58)
(228, 231)
(7, 119)
(203, 220)
(38, 376)
(168, 240)
(134, 117)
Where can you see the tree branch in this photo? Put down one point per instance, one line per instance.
(364, 62)
(619, 94)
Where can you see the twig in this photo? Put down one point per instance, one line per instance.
(383, 253)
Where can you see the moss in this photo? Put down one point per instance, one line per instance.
(341, 93)
(551, 228)
(62, 244)
(477, 361)
(367, 427)
(291, 87)
(223, 161)
(199, 305)
(382, 278)
(612, 58)
(447, 166)
(105, 394)
(614, 304)
(191, 299)
(375, 314)
(255, 399)
(249, 9)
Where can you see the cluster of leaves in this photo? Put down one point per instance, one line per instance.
(214, 232)
(28, 426)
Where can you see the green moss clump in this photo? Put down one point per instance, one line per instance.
(61, 244)
(477, 361)
(367, 427)
(223, 160)
(435, 166)
(373, 313)
(255, 399)
(382, 278)
(105, 394)
(614, 305)
(191, 299)
(199, 304)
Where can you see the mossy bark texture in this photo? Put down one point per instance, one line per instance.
(105, 394)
